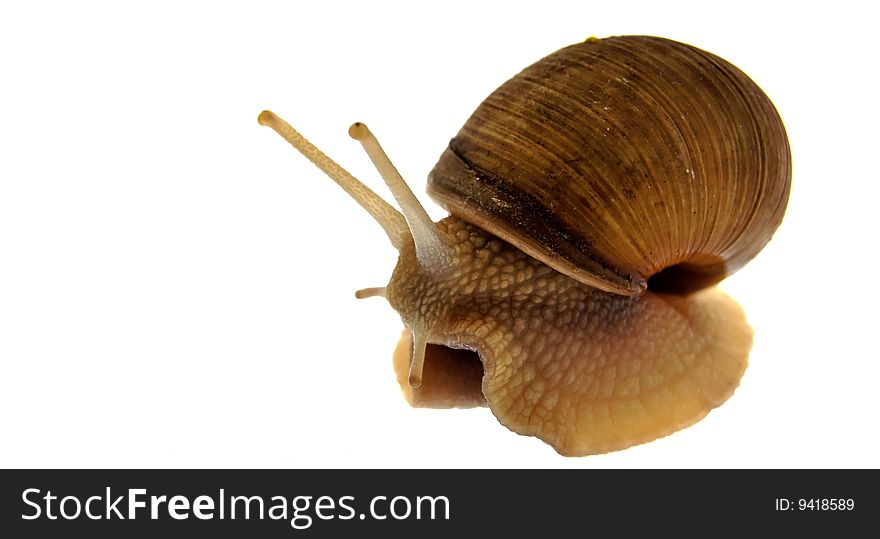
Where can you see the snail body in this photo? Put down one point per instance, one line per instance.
(595, 198)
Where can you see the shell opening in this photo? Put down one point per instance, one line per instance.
(687, 277)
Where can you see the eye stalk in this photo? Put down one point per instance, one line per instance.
(431, 250)
(433, 253)
(388, 218)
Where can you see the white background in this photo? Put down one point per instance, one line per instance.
(176, 283)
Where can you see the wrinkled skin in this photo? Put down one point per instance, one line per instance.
(584, 370)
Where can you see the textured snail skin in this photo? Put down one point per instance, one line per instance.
(613, 159)
(584, 370)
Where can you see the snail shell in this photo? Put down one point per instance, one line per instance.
(622, 159)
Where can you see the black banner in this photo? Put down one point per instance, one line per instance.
(401, 503)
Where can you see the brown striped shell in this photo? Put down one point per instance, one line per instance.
(621, 159)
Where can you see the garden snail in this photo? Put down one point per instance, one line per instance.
(595, 198)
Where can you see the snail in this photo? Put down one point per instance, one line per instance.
(595, 199)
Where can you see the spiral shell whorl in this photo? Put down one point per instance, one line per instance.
(613, 159)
